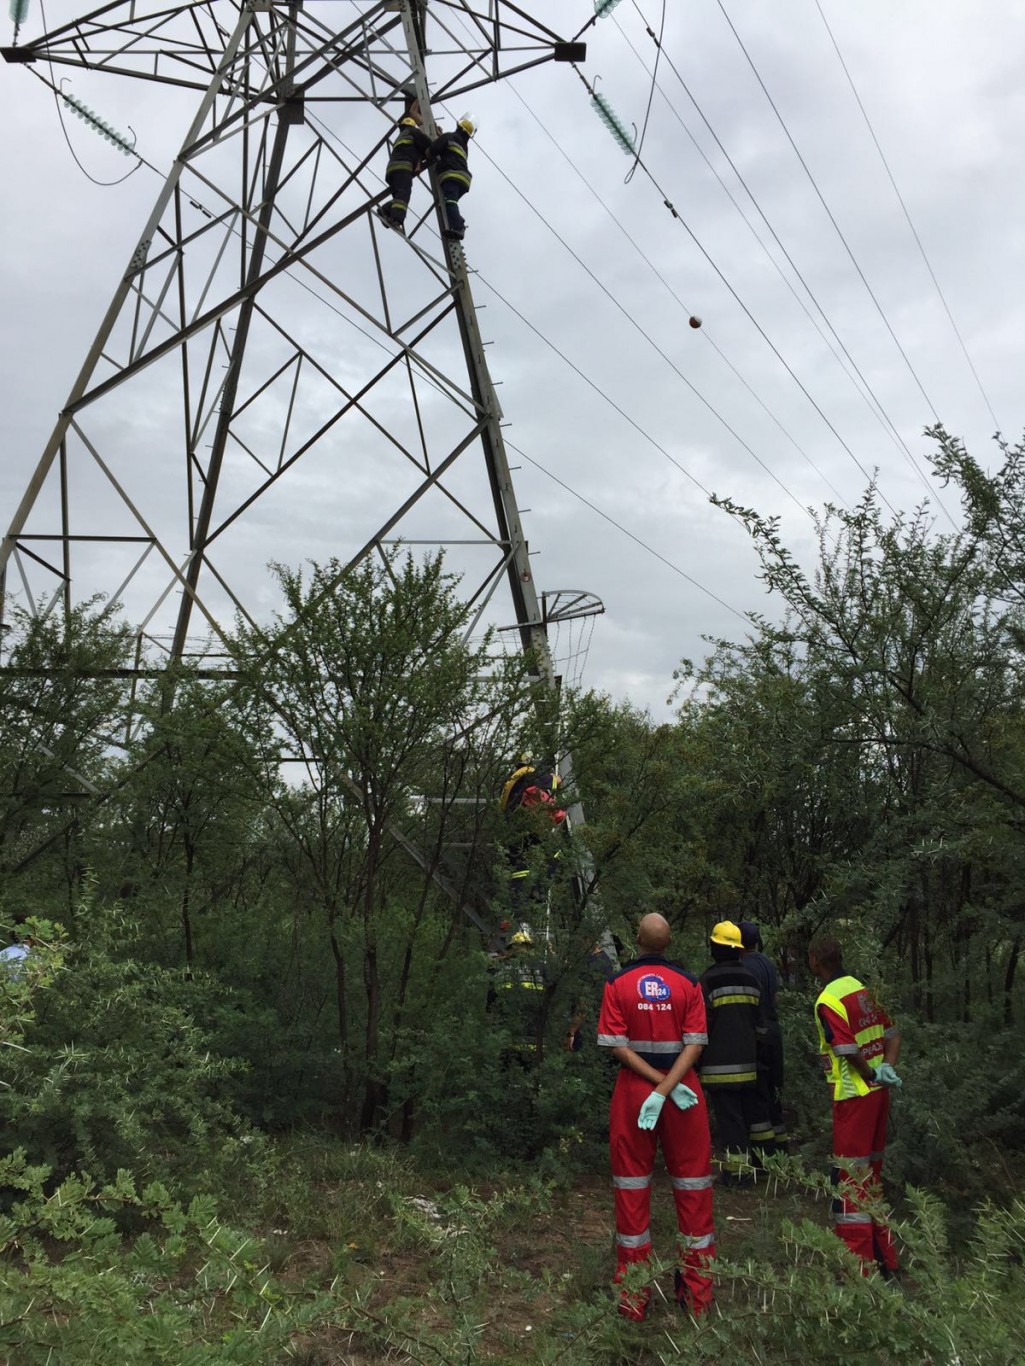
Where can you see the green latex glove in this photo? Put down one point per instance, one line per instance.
(650, 1111)
(683, 1096)
(886, 1076)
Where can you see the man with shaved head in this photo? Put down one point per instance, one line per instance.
(653, 1021)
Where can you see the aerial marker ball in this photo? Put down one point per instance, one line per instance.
(695, 321)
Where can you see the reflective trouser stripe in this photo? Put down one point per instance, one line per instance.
(634, 1239)
(631, 1183)
(852, 1219)
(692, 1183)
(698, 1242)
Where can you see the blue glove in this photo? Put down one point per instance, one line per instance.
(886, 1076)
(650, 1111)
(683, 1096)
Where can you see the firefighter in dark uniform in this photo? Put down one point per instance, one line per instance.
(516, 996)
(410, 152)
(449, 153)
(729, 1064)
(528, 802)
(770, 1051)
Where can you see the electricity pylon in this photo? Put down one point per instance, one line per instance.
(272, 354)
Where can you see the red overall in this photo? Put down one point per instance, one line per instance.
(655, 1008)
(859, 1120)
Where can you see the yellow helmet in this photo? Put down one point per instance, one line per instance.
(522, 934)
(727, 934)
(468, 124)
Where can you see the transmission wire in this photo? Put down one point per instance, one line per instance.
(651, 96)
(672, 292)
(829, 214)
(761, 331)
(907, 215)
(866, 393)
(627, 532)
(651, 342)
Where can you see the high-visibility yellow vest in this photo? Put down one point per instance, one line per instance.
(846, 1082)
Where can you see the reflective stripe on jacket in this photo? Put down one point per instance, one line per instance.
(449, 154)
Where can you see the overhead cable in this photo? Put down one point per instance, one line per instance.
(864, 390)
(651, 342)
(761, 331)
(907, 215)
(626, 532)
(709, 340)
(829, 215)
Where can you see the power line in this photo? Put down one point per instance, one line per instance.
(651, 94)
(761, 331)
(626, 532)
(829, 213)
(863, 389)
(651, 342)
(907, 215)
(672, 292)
(868, 394)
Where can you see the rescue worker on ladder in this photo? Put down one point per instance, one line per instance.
(516, 992)
(518, 999)
(449, 153)
(653, 1019)
(729, 1065)
(410, 152)
(528, 801)
(859, 1044)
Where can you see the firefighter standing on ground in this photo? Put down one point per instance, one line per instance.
(409, 153)
(859, 1045)
(653, 1019)
(770, 1048)
(449, 154)
(729, 1065)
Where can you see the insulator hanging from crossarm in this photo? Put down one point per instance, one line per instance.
(19, 13)
(603, 8)
(613, 123)
(98, 125)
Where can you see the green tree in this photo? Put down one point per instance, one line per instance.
(396, 718)
(62, 709)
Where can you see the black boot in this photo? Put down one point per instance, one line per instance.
(390, 221)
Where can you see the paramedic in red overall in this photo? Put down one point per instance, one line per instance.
(859, 1044)
(653, 1019)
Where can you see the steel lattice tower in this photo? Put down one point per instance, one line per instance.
(212, 412)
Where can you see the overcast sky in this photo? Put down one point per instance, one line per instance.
(611, 397)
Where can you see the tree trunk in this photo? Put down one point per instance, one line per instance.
(343, 1008)
(1012, 967)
